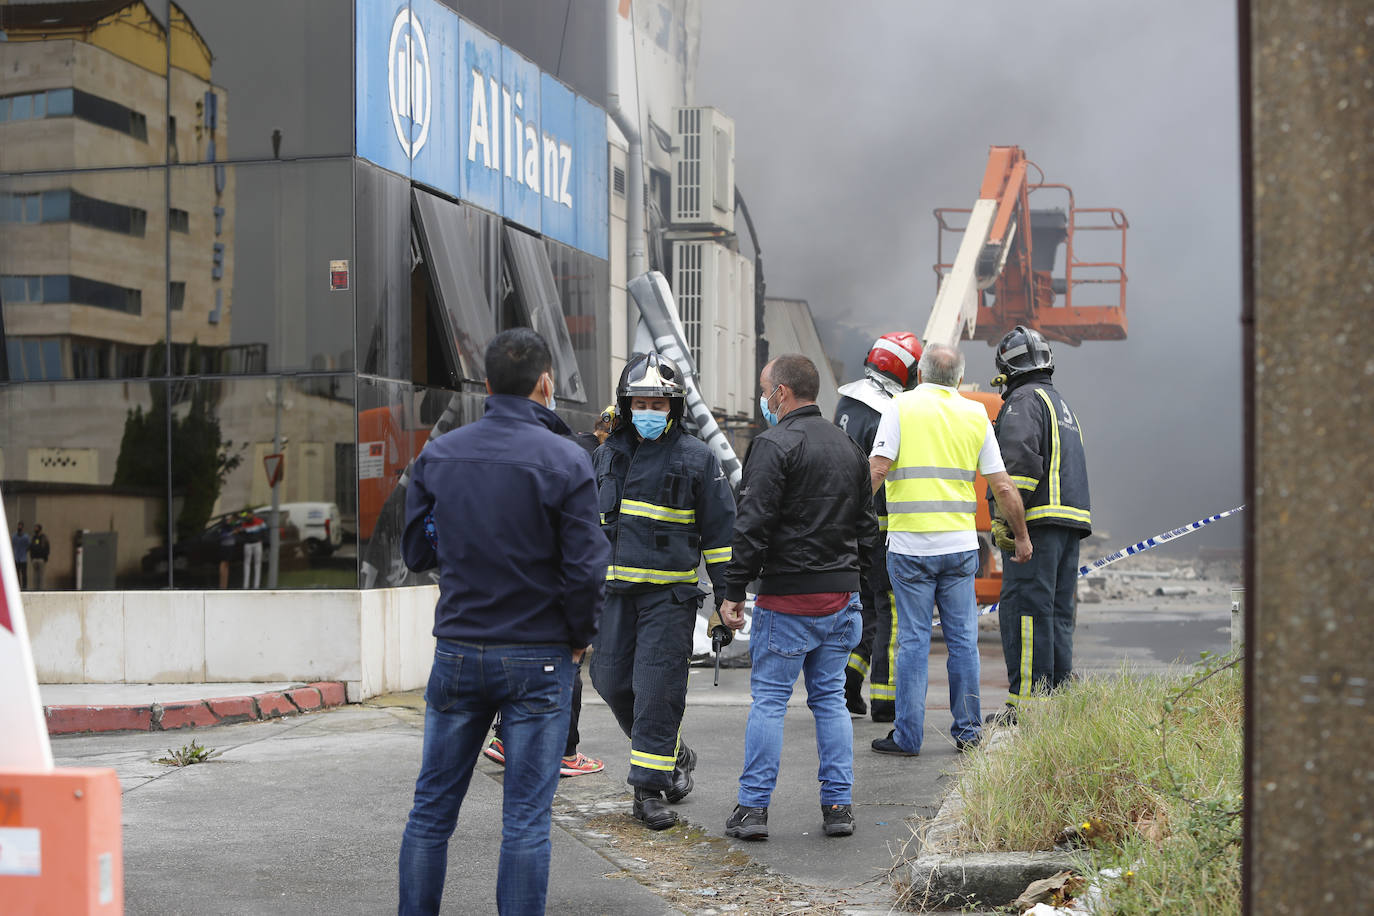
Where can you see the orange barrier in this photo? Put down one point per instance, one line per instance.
(61, 850)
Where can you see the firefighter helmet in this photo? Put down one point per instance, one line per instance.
(1023, 350)
(650, 375)
(893, 359)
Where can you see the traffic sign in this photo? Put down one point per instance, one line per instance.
(275, 466)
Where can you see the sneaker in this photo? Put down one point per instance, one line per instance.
(967, 744)
(890, 746)
(580, 764)
(650, 810)
(747, 823)
(682, 775)
(495, 751)
(1004, 717)
(884, 711)
(838, 820)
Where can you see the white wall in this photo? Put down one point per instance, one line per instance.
(375, 641)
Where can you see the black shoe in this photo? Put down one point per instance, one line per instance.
(682, 775)
(650, 810)
(884, 711)
(1004, 717)
(747, 823)
(853, 698)
(838, 819)
(889, 745)
(969, 744)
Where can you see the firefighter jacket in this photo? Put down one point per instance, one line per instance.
(665, 503)
(858, 413)
(1042, 447)
(806, 522)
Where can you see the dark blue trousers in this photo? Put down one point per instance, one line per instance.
(1037, 612)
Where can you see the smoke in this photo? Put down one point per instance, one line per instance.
(854, 121)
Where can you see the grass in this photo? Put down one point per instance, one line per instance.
(188, 754)
(1142, 774)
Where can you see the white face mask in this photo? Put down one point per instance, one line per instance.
(552, 402)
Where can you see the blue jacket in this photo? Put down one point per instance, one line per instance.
(518, 545)
(665, 504)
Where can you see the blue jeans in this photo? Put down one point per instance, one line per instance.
(917, 583)
(782, 646)
(531, 686)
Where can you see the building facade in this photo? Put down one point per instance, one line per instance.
(237, 235)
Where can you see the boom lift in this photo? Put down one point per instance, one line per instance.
(1008, 254)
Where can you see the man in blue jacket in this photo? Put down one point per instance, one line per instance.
(506, 509)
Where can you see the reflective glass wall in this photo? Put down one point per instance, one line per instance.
(177, 188)
(201, 288)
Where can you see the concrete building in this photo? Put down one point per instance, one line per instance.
(181, 303)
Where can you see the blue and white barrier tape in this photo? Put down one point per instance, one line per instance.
(1142, 546)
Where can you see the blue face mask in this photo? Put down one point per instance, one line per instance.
(651, 423)
(768, 415)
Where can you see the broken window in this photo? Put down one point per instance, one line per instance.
(534, 298)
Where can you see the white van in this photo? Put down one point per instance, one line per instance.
(318, 524)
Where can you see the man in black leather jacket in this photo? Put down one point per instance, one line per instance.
(805, 524)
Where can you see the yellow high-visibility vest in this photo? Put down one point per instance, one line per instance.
(930, 485)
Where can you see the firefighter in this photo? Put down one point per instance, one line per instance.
(889, 369)
(1042, 446)
(665, 504)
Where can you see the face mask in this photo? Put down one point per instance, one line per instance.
(552, 402)
(651, 423)
(768, 415)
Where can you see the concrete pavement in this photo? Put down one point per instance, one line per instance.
(304, 815)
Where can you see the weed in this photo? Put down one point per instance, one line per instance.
(188, 754)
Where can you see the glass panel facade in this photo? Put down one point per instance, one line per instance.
(83, 268)
(196, 273)
(256, 263)
(82, 460)
(395, 420)
(282, 81)
(222, 430)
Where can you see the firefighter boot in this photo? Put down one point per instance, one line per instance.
(884, 711)
(682, 775)
(650, 810)
(853, 696)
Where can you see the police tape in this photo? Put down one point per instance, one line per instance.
(1142, 546)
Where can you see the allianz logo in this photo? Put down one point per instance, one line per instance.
(514, 145)
(408, 82)
(498, 135)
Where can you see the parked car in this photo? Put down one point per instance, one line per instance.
(318, 525)
(197, 557)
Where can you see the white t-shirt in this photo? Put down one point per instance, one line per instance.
(932, 543)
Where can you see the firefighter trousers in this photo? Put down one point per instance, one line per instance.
(882, 678)
(643, 649)
(1037, 612)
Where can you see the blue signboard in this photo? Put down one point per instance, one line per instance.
(558, 128)
(433, 55)
(590, 167)
(520, 145)
(443, 102)
(379, 136)
(479, 75)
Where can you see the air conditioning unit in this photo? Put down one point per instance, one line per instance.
(714, 289)
(703, 189)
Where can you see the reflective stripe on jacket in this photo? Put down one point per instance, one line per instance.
(1042, 446)
(665, 504)
(930, 485)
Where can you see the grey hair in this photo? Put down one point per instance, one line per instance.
(942, 364)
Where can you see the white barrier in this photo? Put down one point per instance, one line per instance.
(375, 640)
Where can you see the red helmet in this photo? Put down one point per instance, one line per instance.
(895, 356)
